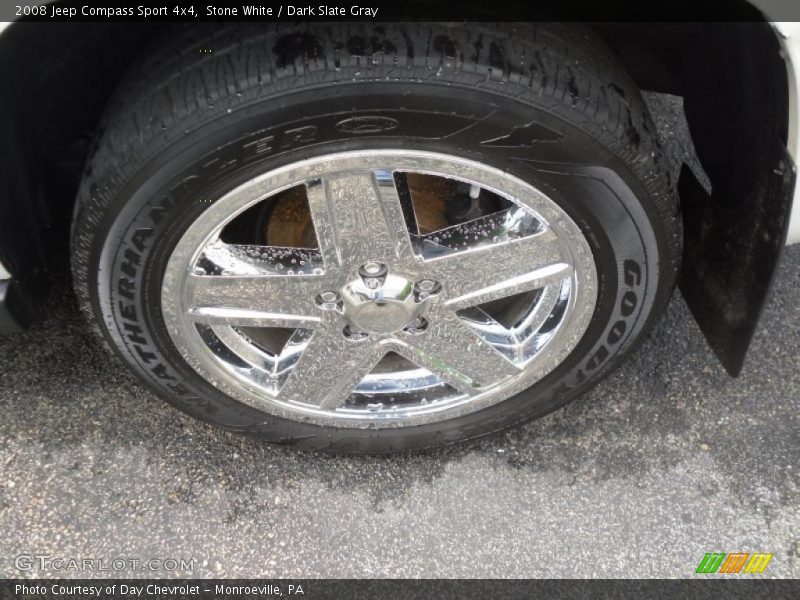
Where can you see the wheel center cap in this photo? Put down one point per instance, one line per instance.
(388, 307)
(379, 317)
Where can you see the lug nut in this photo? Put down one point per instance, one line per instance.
(372, 269)
(353, 335)
(425, 288)
(418, 322)
(329, 300)
(426, 285)
(418, 325)
(373, 273)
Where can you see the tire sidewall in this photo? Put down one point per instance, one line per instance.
(168, 190)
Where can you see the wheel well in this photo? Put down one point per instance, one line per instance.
(57, 78)
(733, 81)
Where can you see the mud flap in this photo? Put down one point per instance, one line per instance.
(731, 253)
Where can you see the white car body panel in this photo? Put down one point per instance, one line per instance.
(790, 38)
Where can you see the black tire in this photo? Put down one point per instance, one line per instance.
(548, 103)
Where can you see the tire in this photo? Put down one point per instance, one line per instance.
(545, 104)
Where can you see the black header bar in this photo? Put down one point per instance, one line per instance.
(399, 10)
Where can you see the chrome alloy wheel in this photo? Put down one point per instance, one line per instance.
(381, 322)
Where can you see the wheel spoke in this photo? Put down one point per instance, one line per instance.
(457, 354)
(358, 217)
(329, 368)
(249, 259)
(486, 273)
(260, 301)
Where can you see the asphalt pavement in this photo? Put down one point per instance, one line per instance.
(665, 460)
